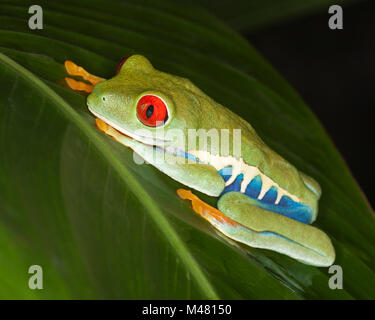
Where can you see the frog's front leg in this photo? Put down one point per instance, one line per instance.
(260, 228)
(75, 70)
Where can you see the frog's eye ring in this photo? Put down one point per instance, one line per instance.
(123, 60)
(152, 111)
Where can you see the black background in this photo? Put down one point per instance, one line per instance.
(334, 72)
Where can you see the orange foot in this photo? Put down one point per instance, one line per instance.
(207, 212)
(75, 70)
(107, 129)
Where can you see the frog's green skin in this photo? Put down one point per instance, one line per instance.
(189, 108)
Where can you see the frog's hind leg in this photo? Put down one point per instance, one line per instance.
(75, 70)
(240, 219)
(265, 229)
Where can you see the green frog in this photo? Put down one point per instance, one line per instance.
(263, 200)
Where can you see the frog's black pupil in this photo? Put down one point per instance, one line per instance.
(149, 111)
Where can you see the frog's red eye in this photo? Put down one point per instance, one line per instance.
(152, 111)
(123, 60)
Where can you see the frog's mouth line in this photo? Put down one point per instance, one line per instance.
(143, 139)
(156, 144)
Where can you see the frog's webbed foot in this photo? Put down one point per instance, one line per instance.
(75, 70)
(211, 214)
(112, 132)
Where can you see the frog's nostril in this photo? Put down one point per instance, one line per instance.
(103, 98)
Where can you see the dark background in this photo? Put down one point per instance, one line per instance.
(334, 72)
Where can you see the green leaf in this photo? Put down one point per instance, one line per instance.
(73, 201)
(248, 16)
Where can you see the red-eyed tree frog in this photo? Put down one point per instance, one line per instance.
(263, 200)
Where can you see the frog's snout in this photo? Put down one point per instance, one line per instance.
(91, 100)
(97, 99)
(97, 96)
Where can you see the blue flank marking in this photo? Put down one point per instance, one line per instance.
(270, 196)
(286, 207)
(253, 188)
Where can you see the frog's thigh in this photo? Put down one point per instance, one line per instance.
(269, 230)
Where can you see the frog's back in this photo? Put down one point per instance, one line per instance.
(258, 172)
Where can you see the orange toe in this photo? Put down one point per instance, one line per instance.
(203, 209)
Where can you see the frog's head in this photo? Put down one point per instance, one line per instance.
(145, 104)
